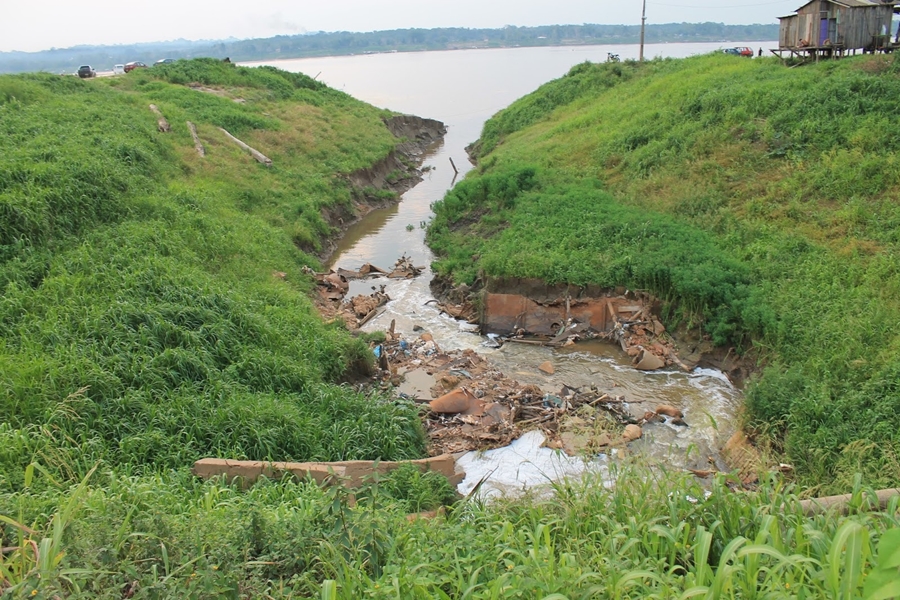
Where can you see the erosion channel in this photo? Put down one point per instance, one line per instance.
(463, 89)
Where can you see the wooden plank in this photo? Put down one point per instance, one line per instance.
(259, 156)
(198, 145)
(161, 124)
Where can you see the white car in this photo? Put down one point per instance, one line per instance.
(118, 69)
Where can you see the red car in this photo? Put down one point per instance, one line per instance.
(129, 67)
(745, 51)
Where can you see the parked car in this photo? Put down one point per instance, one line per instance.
(164, 61)
(739, 51)
(129, 67)
(118, 69)
(85, 71)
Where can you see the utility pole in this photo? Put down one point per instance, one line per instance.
(643, 26)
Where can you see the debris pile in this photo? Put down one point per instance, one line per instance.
(553, 317)
(405, 269)
(465, 311)
(469, 405)
(644, 339)
(334, 286)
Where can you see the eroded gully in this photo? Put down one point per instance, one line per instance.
(463, 89)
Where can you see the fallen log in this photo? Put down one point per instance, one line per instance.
(371, 315)
(841, 503)
(259, 156)
(198, 145)
(161, 122)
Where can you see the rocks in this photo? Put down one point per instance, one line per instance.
(669, 411)
(547, 368)
(460, 401)
(632, 433)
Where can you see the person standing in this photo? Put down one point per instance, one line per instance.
(760, 52)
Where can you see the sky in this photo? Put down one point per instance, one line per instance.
(33, 25)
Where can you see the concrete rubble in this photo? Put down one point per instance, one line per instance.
(334, 286)
(524, 311)
(351, 473)
(469, 405)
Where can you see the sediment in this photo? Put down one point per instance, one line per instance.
(397, 172)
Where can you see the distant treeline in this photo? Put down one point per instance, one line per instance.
(403, 40)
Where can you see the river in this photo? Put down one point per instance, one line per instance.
(463, 88)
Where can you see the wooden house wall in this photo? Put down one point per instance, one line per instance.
(787, 35)
(808, 28)
(855, 27)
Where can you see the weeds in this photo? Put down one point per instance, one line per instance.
(652, 535)
(769, 219)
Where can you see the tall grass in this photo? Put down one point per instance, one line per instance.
(140, 322)
(653, 535)
(759, 199)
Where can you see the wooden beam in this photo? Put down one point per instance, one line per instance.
(259, 156)
(198, 145)
(841, 503)
(161, 122)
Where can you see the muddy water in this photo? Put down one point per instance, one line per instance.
(463, 89)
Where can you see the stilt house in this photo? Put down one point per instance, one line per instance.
(838, 25)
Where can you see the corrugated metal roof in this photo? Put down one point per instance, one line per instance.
(849, 3)
(860, 3)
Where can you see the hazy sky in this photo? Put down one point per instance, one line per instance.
(32, 25)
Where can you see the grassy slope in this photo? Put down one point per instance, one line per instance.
(146, 274)
(142, 275)
(760, 199)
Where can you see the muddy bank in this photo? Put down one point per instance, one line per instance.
(532, 311)
(382, 184)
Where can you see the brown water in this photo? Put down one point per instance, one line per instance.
(463, 89)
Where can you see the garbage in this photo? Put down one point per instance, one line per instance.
(475, 407)
(460, 400)
(493, 341)
(646, 361)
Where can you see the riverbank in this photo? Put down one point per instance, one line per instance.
(174, 287)
(735, 203)
(382, 184)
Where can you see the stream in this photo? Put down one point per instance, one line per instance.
(463, 89)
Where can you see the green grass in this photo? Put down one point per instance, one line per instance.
(141, 326)
(654, 535)
(757, 200)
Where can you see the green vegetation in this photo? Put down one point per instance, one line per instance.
(758, 200)
(142, 327)
(651, 537)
